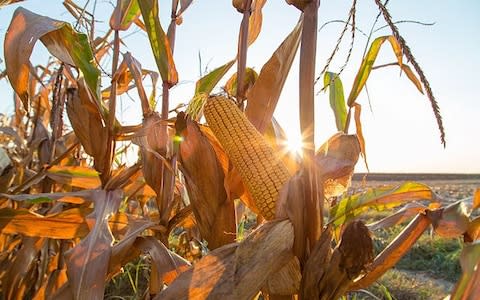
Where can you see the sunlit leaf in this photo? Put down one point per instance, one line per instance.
(406, 212)
(124, 14)
(367, 64)
(61, 40)
(358, 127)
(337, 99)
(135, 69)
(248, 81)
(212, 207)
(264, 95)
(412, 77)
(255, 20)
(158, 41)
(86, 118)
(467, 287)
(87, 263)
(238, 270)
(206, 84)
(473, 231)
(67, 224)
(380, 198)
(453, 222)
(82, 177)
(335, 161)
(476, 199)
(204, 87)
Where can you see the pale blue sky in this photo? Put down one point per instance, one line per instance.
(400, 131)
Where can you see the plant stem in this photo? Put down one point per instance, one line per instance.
(314, 209)
(242, 52)
(111, 113)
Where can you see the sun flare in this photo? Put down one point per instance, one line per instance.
(295, 144)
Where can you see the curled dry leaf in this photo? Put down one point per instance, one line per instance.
(453, 222)
(394, 251)
(86, 118)
(335, 161)
(338, 270)
(152, 150)
(473, 231)
(236, 271)
(61, 40)
(255, 20)
(214, 211)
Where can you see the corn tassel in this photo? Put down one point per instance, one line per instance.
(260, 169)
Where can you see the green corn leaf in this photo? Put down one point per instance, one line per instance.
(337, 99)
(380, 198)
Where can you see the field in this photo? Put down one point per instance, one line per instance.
(431, 268)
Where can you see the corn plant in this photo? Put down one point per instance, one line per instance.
(73, 214)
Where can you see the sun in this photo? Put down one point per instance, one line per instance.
(294, 144)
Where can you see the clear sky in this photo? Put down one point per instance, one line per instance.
(400, 130)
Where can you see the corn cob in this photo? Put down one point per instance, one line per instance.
(258, 166)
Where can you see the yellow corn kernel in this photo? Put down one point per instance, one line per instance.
(260, 169)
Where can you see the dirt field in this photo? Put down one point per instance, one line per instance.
(449, 187)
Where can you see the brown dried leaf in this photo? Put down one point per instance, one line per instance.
(454, 220)
(86, 118)
(473, 231)
(167, 264)
(255, 20)
(213, 210)
(287, 280)
(394, 251)
(264, 95)
(335, 161)
(20, 277)
(68, 224)
(87, 263)
(125, 250)
(406, 212)
(60, 39)
(350, 259)
(236, 271)
(476, 199)
(82, 177)
(358, 126)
